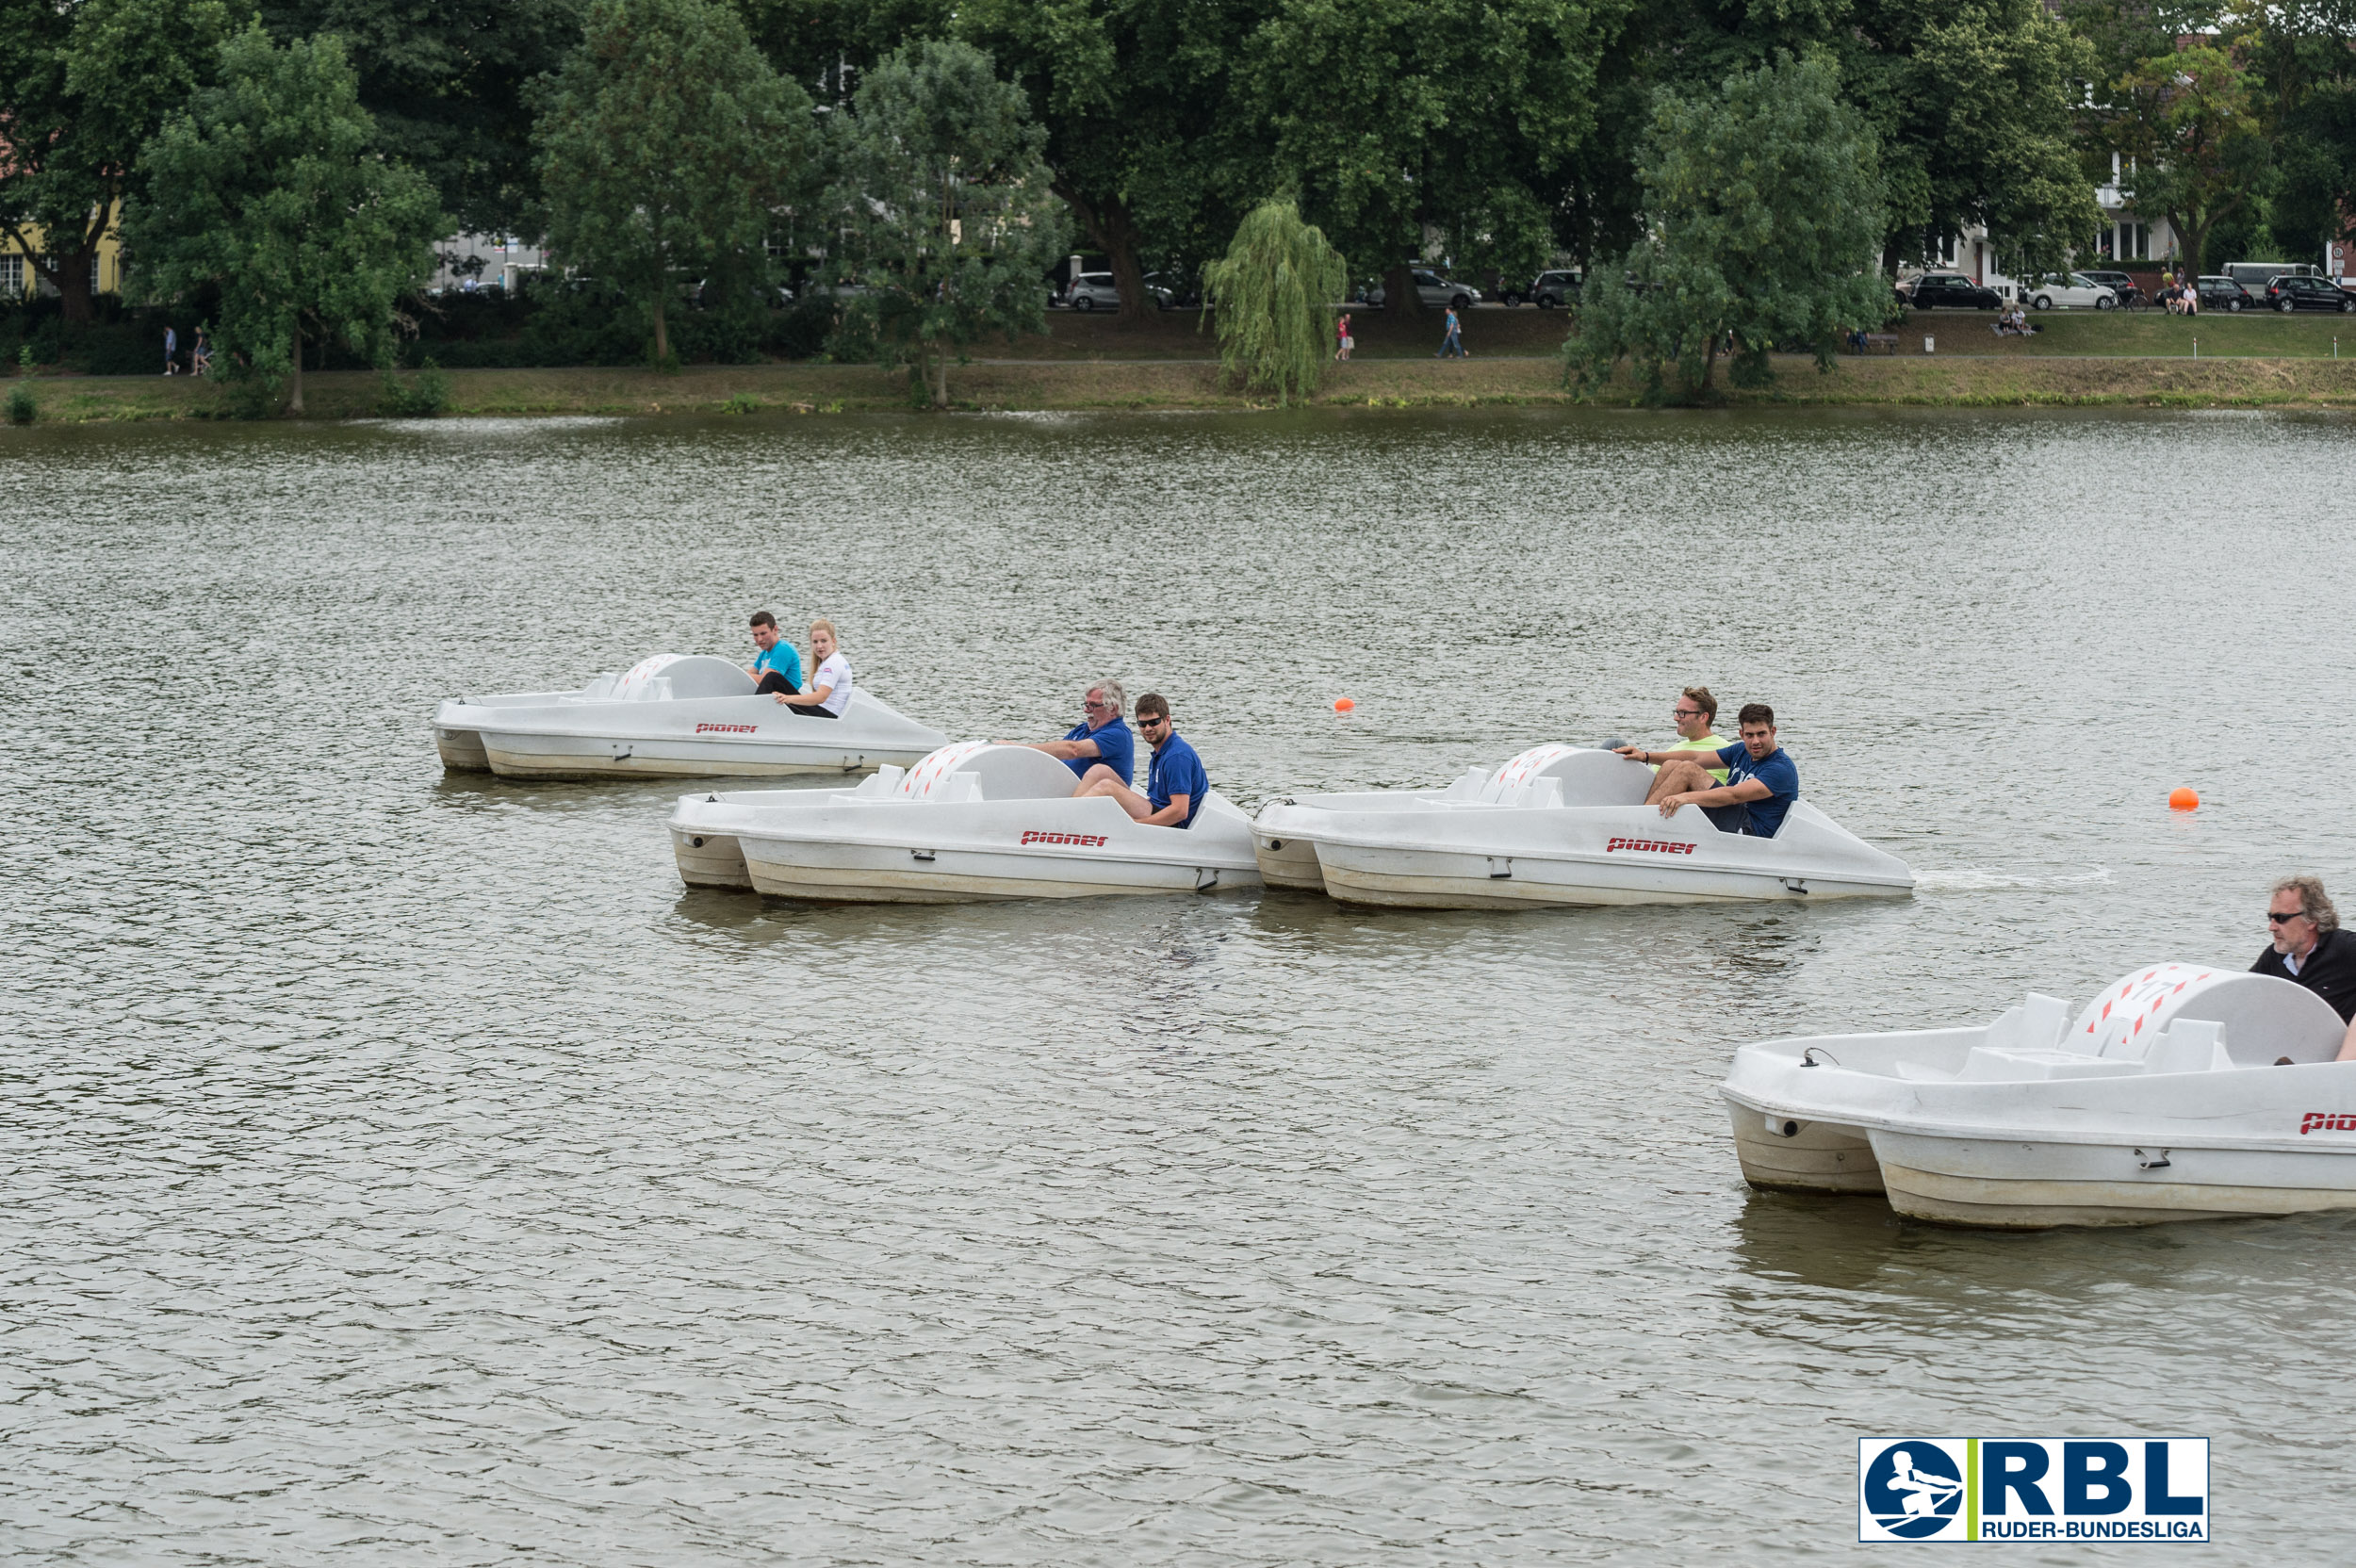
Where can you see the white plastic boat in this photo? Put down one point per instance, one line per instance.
(1555, 826)
(2161, 1100)
(675, 714)
(970, 821)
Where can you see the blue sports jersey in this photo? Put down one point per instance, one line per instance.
(1764, 818)
(1116, 747)
(1176, 771)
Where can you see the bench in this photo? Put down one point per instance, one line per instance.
(1886, 342)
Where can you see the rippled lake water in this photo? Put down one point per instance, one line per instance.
(401, 1170)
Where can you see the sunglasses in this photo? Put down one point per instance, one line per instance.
(2273, 919)
(1156, 722)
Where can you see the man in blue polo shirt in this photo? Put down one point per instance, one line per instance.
(778, 668)
(1761, 781)
(1100, 743)
(1176, 783)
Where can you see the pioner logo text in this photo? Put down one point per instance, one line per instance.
(2327, 1122)
(728, 729)
(2041, 1489)
(1649, 846)
(1084, 840)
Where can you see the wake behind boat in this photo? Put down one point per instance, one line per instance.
(1557, 825)
(2161, 1100)
(973, 820)
(681, 715)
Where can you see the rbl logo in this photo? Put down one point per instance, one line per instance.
(1650, 846)
(1083, 841)
(2033, 1489)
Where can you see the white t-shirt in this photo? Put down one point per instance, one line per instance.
(835, 673)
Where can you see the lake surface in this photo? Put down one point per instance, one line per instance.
(403, 1169)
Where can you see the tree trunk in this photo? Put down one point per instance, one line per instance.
(1398, 291)
(1109, 226)
(937, 374)
(662, 334)
(70, 275)
(296, 405)
(2188, 241)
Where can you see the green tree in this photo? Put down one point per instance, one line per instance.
(82, 83)
(827, 44)
(448, 82)
(2186, 121)
(2302, 54)
(670, 153)
(1972, 102)
(946, 203)
(1272, 294)
(1402, 118)
(1765, 201)
(271, 188)
(1149, 129)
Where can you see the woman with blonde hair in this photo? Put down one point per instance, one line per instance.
(830, 690)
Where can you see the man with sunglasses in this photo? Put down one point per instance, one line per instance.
(1099, 744)
(1175, 784)
(1696, 711)
(2309, 946)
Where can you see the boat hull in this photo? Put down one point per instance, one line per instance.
(524, 754)
(2016, 1184)
(1787, 1154)
(710, 860)
(1288, 862)
(461, 750)
(1414, 879)
(879, 873)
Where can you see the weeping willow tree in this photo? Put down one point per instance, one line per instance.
(1273, 295)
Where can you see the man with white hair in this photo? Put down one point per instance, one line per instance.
(2309, 946)
(1102, 745)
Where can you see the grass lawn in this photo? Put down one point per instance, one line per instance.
(2264, 334)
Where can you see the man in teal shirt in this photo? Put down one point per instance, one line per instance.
(778, 666)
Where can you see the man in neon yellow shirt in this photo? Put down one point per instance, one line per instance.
(1694, 712)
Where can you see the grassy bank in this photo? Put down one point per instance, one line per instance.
(1092, 370)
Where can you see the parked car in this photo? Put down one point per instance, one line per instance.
(1173, 291)
(1092, 291)
(2289, 293)
(1433, 290)
(2130, 292)
(1548, 289)
(2215, 291)
(1949, 291)
(2069, 291)
(2254, 275)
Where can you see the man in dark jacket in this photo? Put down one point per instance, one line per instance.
(2309, 946)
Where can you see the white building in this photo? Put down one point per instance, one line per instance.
(485, 261)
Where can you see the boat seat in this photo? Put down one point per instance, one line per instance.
(2260, 1018)
(1989, 1063)
(682, 676)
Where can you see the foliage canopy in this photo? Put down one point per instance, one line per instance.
(1272, 294)
(1766, 205)
(271, 187)
(944, 203)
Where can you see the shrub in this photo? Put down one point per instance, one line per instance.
(420, 397)
(23, 410)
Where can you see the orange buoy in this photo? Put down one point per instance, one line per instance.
(2182, 799)
(1343, 705)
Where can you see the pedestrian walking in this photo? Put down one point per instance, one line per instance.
(1343, 342)
(1454, 342)
(200, 356)
(171, 352)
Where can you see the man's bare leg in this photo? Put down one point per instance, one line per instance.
(1678, 778)
(1129, 800)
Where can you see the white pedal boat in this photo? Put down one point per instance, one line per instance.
(1555, 826)
(972, 821)
(678, 714)
(2159, 1101)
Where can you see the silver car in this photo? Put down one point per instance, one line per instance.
(1436, 292)
(1092, 291)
